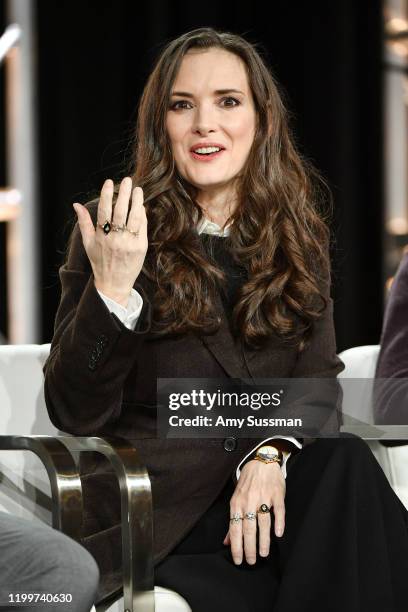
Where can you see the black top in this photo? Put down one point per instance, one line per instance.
(217, 250)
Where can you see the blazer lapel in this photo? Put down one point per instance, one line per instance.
(223, 346)
(262, 363)
(238, 360)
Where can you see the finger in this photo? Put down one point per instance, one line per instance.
(227, 540)
(122, 203)
(279, 512)
(264, 530)
(236, 542)
(105, 202)
(249, 533)
(137, 212)
(85, 223)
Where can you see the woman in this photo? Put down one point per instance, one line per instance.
(218, 268)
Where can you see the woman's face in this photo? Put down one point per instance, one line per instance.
(211, 105)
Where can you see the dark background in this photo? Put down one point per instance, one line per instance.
(94, 57)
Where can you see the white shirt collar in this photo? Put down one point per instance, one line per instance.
(209, 227)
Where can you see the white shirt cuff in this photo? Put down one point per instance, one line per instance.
(286, 455)
(128, 316)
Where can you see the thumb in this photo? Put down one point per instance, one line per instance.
(227, 540)
(85, 223)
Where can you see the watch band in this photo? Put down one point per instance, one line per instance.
(269, 454)
(273, 460)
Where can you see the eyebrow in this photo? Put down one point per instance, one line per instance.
(218, 92)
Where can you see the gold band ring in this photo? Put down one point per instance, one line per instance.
(131, 232)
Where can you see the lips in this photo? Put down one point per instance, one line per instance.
(204, 145)
(206, 157)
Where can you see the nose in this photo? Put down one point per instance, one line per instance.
(204, 120)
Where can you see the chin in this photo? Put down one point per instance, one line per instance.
(209, 182)
(210, 186)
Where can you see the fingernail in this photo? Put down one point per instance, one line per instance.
(238, 561)
(279, 531)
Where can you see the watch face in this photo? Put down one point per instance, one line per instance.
(268, 451)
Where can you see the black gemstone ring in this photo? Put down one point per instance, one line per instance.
(263, 509)
(106, 227)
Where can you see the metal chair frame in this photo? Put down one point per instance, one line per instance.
(58, 456)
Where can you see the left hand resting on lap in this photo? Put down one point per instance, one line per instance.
(259, 483)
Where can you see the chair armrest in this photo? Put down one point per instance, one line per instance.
(136, 502)
(137, 516)
(66, 488)
(378, 432)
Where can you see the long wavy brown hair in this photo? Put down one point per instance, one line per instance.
(278, 233)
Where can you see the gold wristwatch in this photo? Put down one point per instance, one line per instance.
(269, 454)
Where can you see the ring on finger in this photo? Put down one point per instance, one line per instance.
(118, 228)
(123, 228)
(235, 518)
(108, 227)
(105, 227)
(264, 509)
(131, 232)
(251, 516)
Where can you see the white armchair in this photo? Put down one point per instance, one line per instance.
(360, 363)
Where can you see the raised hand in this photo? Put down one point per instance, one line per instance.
(116, 257)
(259, 483)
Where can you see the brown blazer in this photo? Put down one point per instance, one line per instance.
(100, 379)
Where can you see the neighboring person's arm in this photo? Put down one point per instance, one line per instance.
(391, 393)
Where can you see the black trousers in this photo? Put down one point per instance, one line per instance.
(345, 546)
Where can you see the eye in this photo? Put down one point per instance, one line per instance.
(175, 105)
(234, 100)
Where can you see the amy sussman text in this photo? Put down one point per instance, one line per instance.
(220, 421)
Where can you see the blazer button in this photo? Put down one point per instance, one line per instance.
(230, 444)
(94, 355)
(103, 340)
(92, 365)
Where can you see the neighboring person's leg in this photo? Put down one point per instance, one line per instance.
(35, 558)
